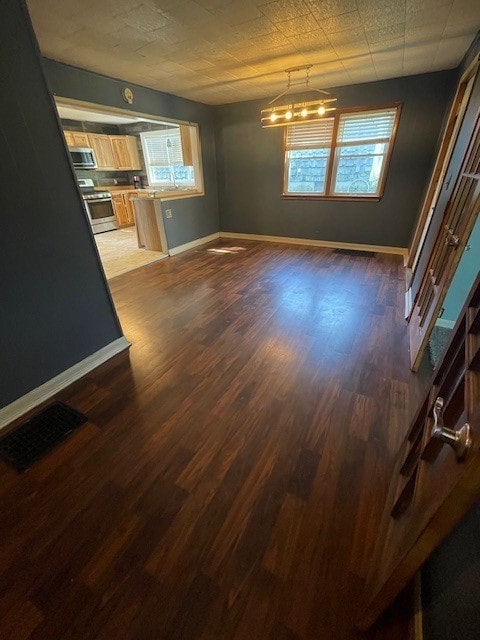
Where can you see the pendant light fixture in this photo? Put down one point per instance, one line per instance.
(279, 115)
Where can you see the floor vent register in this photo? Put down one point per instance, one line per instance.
(355, 252)
(32, 440)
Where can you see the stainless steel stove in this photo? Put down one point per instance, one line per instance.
(99, 207)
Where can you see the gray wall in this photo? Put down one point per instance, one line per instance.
(55, 305)
(69, 82)
(250, 166)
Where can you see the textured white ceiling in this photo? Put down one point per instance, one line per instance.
(219, 51)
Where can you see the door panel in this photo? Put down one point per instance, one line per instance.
(455, 120)
(434, 483)
(459, 218)
(445, 192)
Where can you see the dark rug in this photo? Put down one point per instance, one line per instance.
(355, 252)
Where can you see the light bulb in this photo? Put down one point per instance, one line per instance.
(304, 112)
(288, 115)
(321, 110)
(273, 117)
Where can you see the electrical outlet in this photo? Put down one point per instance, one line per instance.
(168, 213)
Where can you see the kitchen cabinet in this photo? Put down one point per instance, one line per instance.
(125, 152)
(129, 206)
(122, 205)
(102, 148)
(112, 153)
(68, 138)
(186, 138)
(77, 138)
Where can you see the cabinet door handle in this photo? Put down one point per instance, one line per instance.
(460, 440)
(451, 240)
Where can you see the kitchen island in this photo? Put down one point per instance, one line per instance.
(122, 196)
(149, 223)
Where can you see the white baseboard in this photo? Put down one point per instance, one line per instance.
(443, 322)
(194, 243)
(318, 243)
(41, 394)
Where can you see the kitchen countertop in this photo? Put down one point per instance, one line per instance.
(148, 192)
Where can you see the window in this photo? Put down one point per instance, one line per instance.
(172, 157)
(345, 156)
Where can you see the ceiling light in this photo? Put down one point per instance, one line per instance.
(312, 110)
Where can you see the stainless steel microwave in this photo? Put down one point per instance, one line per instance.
(83, 158)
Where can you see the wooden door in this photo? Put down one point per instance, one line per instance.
(449, 139)
(102, 147)
(434, 483)
(459, 218)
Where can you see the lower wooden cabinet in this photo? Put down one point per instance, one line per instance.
(123, 208)
(129, 206)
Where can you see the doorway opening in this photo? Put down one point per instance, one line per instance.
(128, 166)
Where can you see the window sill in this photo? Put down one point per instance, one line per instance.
(153, 193)
(303, 196)
(174, 195)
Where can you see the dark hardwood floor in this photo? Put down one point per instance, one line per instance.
(231, 477)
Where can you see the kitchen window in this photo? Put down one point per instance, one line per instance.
(172, 158)
(342, 157)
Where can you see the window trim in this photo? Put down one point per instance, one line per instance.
(198, 187)
(331, 162)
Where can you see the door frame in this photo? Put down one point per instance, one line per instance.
(438, 275)
(449, 138)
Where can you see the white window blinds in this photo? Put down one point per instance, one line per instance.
(310, 135)
(364, 126)
(163, 148)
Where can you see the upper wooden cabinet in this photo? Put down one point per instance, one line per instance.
(102, 148)
(77, 138)
(112, 153)
(68, 138)
(186, 138)
(125, 152)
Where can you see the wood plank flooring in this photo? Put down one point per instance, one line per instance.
(231, 477)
